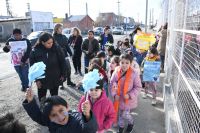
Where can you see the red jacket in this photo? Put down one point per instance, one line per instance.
(103, 110)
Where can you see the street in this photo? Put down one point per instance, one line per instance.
(148, 119)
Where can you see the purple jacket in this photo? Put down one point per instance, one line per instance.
(133, 89)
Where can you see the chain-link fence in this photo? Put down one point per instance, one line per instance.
(183, 65)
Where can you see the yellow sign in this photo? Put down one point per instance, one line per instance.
(58, 20)
(144, 41)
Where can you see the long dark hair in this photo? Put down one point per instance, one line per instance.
(44, 38)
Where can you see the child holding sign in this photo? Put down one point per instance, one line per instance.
(125, 86)
(152, 56)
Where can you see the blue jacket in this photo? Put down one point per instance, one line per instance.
(77, 123)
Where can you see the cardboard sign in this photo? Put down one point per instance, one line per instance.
(151, 71)
(144, 41)
(18, 48)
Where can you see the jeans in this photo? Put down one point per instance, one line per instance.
(77, 62)
(162, 57)
(22, 71)
(42, 92)
(86, 63)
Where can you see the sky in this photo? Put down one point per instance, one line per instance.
(128, 8)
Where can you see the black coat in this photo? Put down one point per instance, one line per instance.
(77, 123)
(26, 54)
(95, 48)
(55, 63)
(78, 44)
(62, 41)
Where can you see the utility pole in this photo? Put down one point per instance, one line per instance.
(69, 8)
(146, 16)
(86, 8)
(9, 12)
(28, 7)
(118, 12)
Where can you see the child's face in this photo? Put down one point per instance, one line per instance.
(113, 65)
(151, 55)
(110, 53)
(59, 115)
(102, 60)
(125, 64)
(95, 93)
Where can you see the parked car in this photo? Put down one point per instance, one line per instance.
(118, 31)
(50, 31)
(33, 37)
(66, 32)
(98, 31)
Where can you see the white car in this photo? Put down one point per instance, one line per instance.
(66, 32)
(118, 31)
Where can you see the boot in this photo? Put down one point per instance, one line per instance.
(70, 83)
(121, 130)
(129, 128)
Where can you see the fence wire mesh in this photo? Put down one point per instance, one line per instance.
(185, 71)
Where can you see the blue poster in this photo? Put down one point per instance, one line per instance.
(151, 71)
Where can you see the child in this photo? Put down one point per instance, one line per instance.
(151, 56)
(102, 55)
(114, 62)
(8, 124)
(102, 107)
(97, 64)
(57, 117)
(125, 47)
(111, 52)
(125, 85)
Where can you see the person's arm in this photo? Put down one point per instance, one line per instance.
(33, 109)
(113, 84)
(27, 53)
(6, 48)
(84, 46)
(32, 57)
(111, 39)
(110, 116)
(61, 59)
(96, 46)
(137, 86)
(67, 46)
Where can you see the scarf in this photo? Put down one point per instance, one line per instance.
(125, 89)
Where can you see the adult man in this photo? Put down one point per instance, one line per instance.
(18, 44)
(90, 47)
(106, 37)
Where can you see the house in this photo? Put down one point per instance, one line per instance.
(111, 19)
(34, 21)
(83, 22)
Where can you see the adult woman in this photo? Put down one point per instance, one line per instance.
(53, 57)
(62, 41)
(75, 40)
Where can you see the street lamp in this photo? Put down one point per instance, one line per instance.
(146, 16)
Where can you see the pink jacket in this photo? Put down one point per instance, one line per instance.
(103, 110)
(133, 90)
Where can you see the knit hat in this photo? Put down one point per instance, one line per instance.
(52, 101)
(100, 84)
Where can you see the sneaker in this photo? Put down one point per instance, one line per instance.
(80, 73)
(23, 89)
(121, 130)
(153, 102)
(71, 84)
(62, 87)
(144, 96)
(129, 128)
(76, 73)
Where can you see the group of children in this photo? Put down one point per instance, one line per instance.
(109, 104)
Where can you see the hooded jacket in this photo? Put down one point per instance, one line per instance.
(28, 50)
(77, 122)
(103, 110)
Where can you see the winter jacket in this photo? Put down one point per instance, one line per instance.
(28, 50)
(162, 42)
(55, 63)
(77, 123)
(101, 40)
(133, 89)
(94, 49)
(103, 110)
(62, 41)
(78, 44)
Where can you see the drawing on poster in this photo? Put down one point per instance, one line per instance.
(18, 48)
(151, 71)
